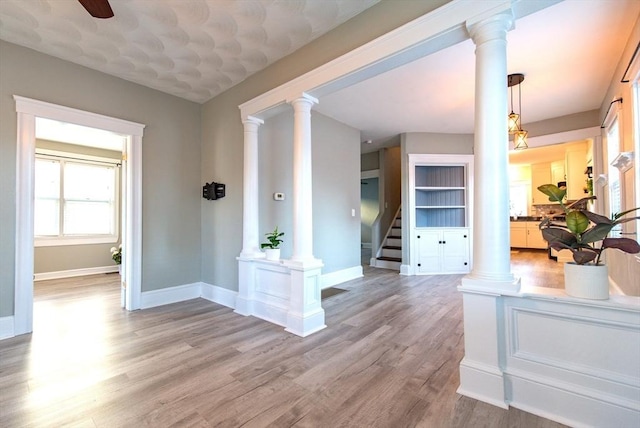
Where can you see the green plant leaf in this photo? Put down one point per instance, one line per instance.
(582, 257)
(596, 233)
(618, 215)
(577, 222)
(553, 235)
(596, 218)
(554, 193)
(624, 244)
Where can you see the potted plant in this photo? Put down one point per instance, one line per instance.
(116, 255)
(272, 247)
(584, 233)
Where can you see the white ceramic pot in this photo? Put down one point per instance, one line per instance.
(586, 281)
(272, 253)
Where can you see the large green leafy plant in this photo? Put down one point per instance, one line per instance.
(583, 229)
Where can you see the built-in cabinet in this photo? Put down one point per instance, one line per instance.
(442, 250)
(439, 198)
(527, 234)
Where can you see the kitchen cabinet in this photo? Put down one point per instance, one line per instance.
(540, 174)
(526, 234)
(576, 163)
(557, 172)
(443, 251)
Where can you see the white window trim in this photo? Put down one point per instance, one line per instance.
(58, 241)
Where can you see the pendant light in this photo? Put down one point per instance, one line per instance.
(515, 119)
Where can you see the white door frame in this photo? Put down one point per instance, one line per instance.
(27, 110)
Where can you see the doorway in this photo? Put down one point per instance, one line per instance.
(28, 110)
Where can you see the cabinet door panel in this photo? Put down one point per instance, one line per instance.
(429, 248)
(518, 235)
(455, 251)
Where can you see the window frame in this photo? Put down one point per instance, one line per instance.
(61, 239)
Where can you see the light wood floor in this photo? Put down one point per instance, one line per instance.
(388, 358)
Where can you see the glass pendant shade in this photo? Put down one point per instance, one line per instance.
(520, 140)
(514, 122)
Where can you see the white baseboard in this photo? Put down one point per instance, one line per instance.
(338, 277)
(166, 296)
(219, 295)
(571, 405)
(74, 272)
(6, 327)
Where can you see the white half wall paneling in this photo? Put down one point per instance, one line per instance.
(574, 362)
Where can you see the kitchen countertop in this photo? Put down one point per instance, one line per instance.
(558, 218)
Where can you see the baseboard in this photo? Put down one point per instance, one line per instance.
(166, 296)
(338, 277)
(6, 327)
(74, 272)
(482, 382)
(571, 405)
(219, 295)
(406, 270)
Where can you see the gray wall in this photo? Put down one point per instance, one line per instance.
(335, 181)
(67, 257)
(369, 205)
(222, 131)
(171, 160)
(369, 161)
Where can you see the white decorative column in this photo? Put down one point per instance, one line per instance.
(250, 248)
(481, 370)
(302, 189)
(250, 211)
(305, 315)
(491, 248)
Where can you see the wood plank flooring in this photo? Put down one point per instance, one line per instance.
(388, 358)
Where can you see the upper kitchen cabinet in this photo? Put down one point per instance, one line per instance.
(575, 164)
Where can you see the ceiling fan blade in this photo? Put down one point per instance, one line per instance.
(98, 8)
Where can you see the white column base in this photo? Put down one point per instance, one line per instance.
(482, 382)
(246, 287)
(492, 286)
(305, 315)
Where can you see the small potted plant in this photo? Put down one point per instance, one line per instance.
(116, 255)
(584, 233)
(272, 247)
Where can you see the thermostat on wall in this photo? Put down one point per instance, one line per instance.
(278, 196)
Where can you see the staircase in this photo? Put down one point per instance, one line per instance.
(390, 255)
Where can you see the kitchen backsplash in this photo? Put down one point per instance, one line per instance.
(547, 209)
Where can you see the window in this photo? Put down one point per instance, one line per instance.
(615, 192)
(75, 201)
(519, 198)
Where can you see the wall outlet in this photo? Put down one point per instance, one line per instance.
(353, 212)
(278, 196)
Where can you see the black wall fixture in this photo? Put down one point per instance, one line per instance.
(213, 190)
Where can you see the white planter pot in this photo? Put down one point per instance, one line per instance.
(586, 281)
(272, 253)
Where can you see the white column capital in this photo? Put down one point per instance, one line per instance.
(485, 28)
(303, 99)
(251, 121)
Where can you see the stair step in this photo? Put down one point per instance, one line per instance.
(390, 259)
(392, 247)
(396, 227)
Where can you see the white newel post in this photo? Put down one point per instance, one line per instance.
(250, 207)
(305, 315)
(481, 374)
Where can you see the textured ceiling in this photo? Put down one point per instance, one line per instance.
(194, 49)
